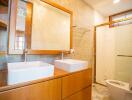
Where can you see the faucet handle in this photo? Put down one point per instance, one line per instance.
(25, 50)
(72, 51)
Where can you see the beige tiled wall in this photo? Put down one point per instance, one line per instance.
(83, 20)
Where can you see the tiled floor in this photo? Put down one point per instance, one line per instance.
(100, 92)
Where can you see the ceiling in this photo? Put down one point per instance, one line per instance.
(107, 7)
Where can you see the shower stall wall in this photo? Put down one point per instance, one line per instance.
(114, 53)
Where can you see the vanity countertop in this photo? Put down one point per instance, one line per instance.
(58, 73)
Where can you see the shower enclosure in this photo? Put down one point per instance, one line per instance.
(113, 53)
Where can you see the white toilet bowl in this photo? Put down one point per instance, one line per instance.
(119, 90)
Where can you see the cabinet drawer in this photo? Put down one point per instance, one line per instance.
(49, 90)
(84, 94)
(75, 82)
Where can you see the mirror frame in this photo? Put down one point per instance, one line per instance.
(12, 26)
(53, 52)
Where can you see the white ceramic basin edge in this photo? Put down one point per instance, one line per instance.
(27, 71)
(71, 65)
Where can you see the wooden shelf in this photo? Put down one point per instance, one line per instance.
(4, 6)
(3, 53)
(3, 10)
(4, 2)
(3, 25)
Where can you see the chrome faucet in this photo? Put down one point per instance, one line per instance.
(62, 54)
(25, 55)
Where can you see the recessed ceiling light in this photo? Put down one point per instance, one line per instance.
(116, 1)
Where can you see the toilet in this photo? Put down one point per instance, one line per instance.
(119, 90)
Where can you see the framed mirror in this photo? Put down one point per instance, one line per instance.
(40, 26)
(51, 28)
(20, 25)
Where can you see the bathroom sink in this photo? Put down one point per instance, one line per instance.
(71, 65)
(28, 71)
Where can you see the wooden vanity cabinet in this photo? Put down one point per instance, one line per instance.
(49, 90)
(74, 86)
(84, 94)
(77, 85)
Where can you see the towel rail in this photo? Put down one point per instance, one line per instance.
(125, 55)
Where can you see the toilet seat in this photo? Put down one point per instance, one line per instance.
(119, 90)
(119, 84)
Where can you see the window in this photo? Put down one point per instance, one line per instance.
(123, 18)
(19, 41)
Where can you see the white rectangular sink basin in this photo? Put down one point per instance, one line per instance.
(71, 65)
(27, 71)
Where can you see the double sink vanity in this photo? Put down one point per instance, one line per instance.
(67, 79)
(28, 71)
(42, 27)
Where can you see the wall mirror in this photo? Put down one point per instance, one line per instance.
(41, 26)
(20, 25)
(51, 28)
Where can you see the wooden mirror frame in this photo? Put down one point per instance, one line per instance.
(12, 26)
(51, 51)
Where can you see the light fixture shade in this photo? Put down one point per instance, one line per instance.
(116, 1)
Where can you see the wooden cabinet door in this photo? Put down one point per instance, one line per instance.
(84, 94)
(75, 82)
(49, 90)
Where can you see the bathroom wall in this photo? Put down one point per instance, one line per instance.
(123, 67)
(99, 18)
(114, 53)
(83, 21)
